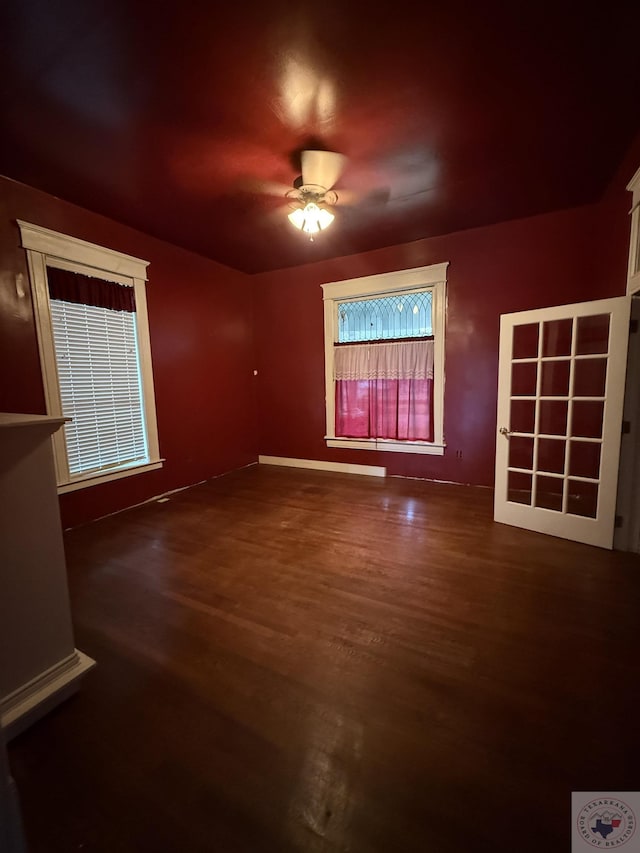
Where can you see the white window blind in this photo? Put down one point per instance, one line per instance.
(100, 386)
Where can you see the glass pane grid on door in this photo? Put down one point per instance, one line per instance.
(558, 393)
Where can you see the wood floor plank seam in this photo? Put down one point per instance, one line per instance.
(294, 660)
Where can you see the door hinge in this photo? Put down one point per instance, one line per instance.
(626, 427)
(633, 327)
(618, 521)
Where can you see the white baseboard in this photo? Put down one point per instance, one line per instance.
(319, 465)
(34, 699)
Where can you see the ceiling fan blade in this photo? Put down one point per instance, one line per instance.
(278, 215)
(259, 187)
(370, 197)
(322, 168)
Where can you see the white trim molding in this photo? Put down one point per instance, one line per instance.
(97, 479)
(319, 465)
(391, 282)
(55, 245)
(432, 277)
(387, 445)
(633, 271)
(47, 248)
(36, 698)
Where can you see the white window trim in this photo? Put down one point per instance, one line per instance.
(633, 272)
(433, 277)
(50, 248)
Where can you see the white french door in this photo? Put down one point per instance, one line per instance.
(561, 380)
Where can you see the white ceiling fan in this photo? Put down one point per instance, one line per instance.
(313, 195)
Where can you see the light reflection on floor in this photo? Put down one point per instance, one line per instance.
(323, 802)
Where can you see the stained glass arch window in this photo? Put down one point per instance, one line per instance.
(395, 316)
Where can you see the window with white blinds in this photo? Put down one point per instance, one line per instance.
(97, 359)
(90, 306)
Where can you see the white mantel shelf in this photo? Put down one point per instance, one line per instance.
(39, 664)
(10, 419)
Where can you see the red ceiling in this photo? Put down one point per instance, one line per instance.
(168, 116)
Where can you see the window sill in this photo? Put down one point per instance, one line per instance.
(106, 477)
(387, 445)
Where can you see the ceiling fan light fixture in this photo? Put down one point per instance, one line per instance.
(311, 219)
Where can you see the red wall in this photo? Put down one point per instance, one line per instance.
(200, 318)
(529, 263)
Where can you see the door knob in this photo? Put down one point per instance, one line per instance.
(504, 431)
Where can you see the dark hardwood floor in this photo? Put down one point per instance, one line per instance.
(302, 661)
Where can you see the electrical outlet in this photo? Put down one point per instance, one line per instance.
(458, 454)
